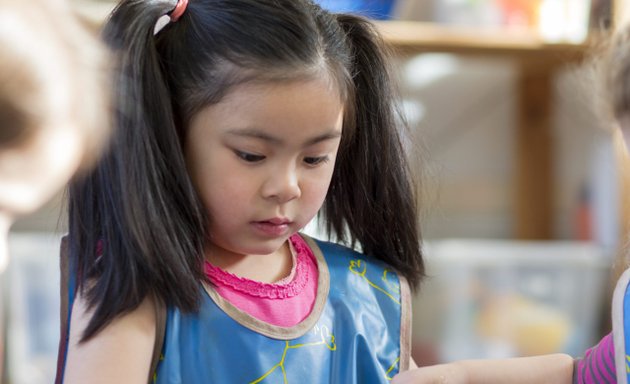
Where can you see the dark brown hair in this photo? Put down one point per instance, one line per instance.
(616, 70)
(140, 201)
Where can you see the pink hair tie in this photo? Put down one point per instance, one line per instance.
(171, 17)
(179, 9)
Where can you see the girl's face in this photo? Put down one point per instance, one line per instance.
(262, 160)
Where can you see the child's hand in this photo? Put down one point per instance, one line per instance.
(436, 374)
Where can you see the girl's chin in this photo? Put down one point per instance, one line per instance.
(266, 249)
(251, 248)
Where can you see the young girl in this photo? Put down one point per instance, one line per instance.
(237, 121)
(609, 361)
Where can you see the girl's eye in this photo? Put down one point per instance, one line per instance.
(315, 160)
(249, 157)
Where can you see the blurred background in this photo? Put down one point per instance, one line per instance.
(521, 187)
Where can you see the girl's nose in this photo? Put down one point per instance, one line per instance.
(282, 186)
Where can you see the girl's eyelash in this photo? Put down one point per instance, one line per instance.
(253, 158)
(316, 160)
(249, 157)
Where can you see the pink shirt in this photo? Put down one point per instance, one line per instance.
(598, 364)
(284, 303)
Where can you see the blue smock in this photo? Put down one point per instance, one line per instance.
(357, 332)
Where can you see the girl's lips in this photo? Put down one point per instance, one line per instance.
(273, 227)
(277, 221)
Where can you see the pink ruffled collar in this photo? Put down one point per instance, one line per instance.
(290, 286)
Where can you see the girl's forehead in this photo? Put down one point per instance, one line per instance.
(274, 109)
(226, 80)
(282, 97)
(269, 84)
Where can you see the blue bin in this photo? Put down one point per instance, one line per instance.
(375, 9)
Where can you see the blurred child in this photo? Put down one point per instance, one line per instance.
(52, 104)
(53, 107)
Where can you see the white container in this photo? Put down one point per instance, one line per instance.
(31, 307)
(564, 20)
(496, 299)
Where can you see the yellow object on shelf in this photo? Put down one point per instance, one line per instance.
(530, 327)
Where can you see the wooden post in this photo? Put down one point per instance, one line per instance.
(534, 160)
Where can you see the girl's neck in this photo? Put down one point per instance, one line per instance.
(263, 268)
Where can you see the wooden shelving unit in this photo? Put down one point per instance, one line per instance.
(410, 36)
(537, 63)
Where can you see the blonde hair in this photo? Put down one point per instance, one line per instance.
(50, 66)
(616, 72)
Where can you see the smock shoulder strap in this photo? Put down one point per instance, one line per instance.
(64, 292)
(160, 330)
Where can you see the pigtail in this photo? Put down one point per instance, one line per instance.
(136, 225)
(616, 65)
(371, 196)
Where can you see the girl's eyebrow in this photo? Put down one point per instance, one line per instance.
(261, 135)
(333, 134)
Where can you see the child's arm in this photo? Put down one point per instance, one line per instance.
(120, 353)
(551, 369)
(598, 364)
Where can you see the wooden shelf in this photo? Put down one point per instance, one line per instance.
(415, 37)
(537, 62)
